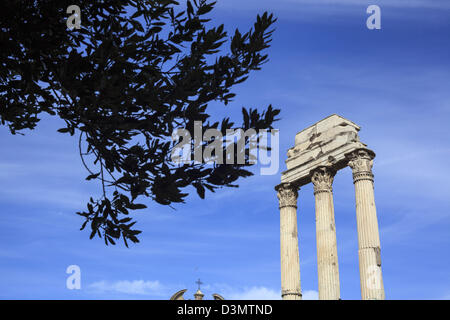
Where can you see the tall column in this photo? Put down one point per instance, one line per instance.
(290, 263)
(327, 259)
(372, 287)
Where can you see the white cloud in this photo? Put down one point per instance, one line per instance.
(156, 289)
(310, 295)
(139, 287)
(254, 293)
(259, 293)
(446, 297)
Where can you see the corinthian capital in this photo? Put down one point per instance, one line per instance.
(361, 162)
(322, 179)
(287, 194)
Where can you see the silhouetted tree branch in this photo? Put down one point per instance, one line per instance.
(133, 73)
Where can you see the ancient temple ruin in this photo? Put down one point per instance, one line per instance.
(319, 152)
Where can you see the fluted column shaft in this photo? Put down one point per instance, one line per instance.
(372, 287)
(327, 259)
(290, 263)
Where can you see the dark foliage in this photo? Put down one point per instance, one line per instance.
(134, 72)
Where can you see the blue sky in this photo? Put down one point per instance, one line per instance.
(393, 82)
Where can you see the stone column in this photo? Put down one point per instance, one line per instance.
(327, 259)
(372, 287)
(290, 263)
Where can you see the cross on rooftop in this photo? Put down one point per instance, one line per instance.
(199, 283)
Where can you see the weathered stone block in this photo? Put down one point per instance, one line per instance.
(325, 143)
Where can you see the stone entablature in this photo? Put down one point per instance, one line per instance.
(324, 144)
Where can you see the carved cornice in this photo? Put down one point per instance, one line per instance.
(361, 162)
(322, 179)
(287, 194)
